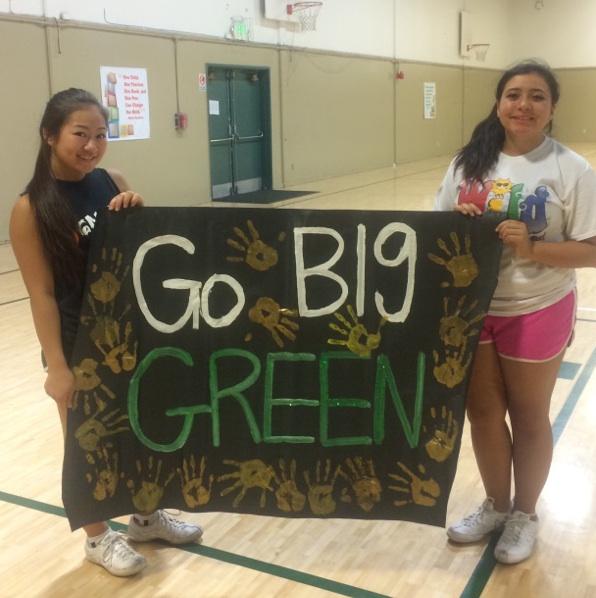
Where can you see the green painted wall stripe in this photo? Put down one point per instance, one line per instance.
(220, 555)
(486, 565)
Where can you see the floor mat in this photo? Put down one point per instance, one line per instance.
(264, 196)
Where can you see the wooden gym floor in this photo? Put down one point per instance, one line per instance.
(249, 556)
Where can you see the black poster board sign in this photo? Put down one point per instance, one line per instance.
(301, 363)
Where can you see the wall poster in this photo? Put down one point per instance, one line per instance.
(125, 94)
(430, 100)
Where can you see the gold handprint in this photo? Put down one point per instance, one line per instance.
(93, 430)
(148, 495)
(194, 492)
(454, 327)
(107, 286)
(106, 473)
(442, 442)
(452, 371)
(250, 474)
(87, 380)
(289, 498)
(358, 339)
(365, 484)
(423, 492)
(320, 493)
(119, 356)
(461, 266)
(257, 254)
(268, 313)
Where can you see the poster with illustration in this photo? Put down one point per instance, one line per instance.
(430, 100)
(125, 94)
(289, 363)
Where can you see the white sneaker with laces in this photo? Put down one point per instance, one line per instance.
(114, 553)
(477, 525)
(518, 539)
(162, 526)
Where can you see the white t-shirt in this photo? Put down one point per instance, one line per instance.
(553, 190)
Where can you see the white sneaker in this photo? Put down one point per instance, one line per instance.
(162, 526)
(115, 554)
(479, 524)
(518, 538)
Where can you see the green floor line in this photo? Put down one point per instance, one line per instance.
(220, 555)
(571, 402)
(479, 577)
(486, 565)
(568, 370)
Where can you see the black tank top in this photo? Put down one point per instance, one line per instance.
(86, 198)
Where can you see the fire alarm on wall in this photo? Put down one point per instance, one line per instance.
(180, 121)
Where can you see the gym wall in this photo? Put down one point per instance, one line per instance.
(331, 114)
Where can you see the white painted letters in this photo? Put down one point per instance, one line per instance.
(199, 292)
(407, 252)
(322, 270)
(198, 301)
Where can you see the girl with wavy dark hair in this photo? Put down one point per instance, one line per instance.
(50, 228)
(548, 196)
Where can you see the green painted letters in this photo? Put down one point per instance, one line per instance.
(233, 391)
(327, 402)
(384, 379)
(187, 412)
(269, 402)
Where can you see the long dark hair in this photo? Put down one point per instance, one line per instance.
(55, 220)
(481, 153)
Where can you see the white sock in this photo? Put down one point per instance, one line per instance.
(145, 520)
(93, 540)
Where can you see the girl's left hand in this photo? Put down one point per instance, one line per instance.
(515, 234)
(126, 199)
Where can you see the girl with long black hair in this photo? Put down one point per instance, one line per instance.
(548, 193)
(50, 228)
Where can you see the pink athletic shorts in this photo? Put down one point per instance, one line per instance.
(537, 336)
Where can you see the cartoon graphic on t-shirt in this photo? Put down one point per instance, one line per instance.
(499, 194)
(475, 192)
(533, 212)
(503, 196)
(515, 198)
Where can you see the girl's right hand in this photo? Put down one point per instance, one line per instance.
(60, 385)
(126, 199)
(468, 209)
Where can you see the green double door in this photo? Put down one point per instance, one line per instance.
(239, 130)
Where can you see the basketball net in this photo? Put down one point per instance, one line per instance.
(306, 13)
(480, 51)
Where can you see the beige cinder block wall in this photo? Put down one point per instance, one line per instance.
(478, 97)
(416, 137)
(337, 115)
(24, 92)
(575, 116)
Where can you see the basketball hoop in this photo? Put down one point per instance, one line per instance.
(479, 50)
(306, 13)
